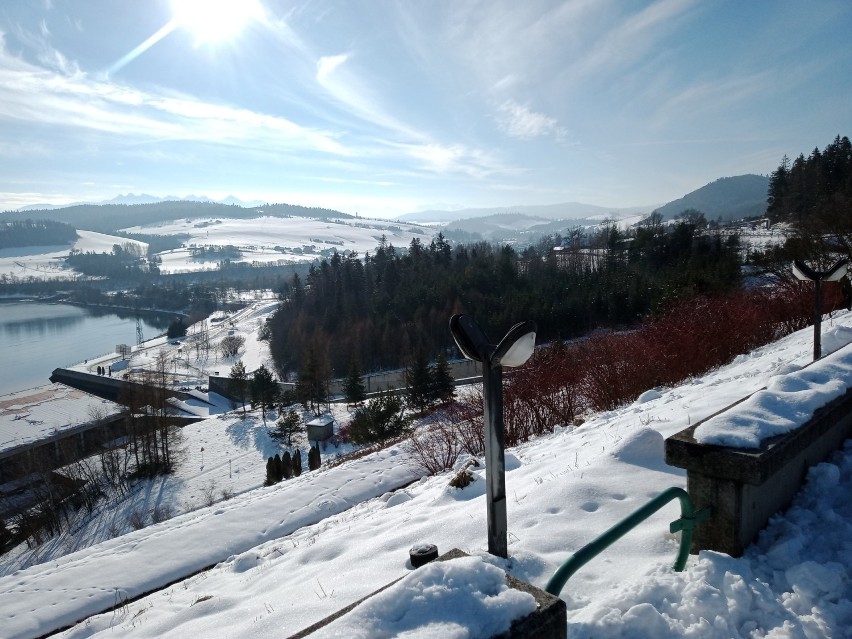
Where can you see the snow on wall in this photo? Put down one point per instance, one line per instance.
(788, 402)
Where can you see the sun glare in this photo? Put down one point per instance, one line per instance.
(212, 21)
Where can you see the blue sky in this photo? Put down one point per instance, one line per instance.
(384, 108)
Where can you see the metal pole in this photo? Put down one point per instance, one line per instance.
(495, 460)
(818, 321)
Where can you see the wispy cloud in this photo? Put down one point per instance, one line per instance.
(327, 65)
(391, 136)
(629, 39)
(519, 121)
(503, 48)
(694, 101)
(458, 159)
(23, 149)
(47, 55)
(39, 96)
(354, 96)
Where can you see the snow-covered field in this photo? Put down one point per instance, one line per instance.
(46, 263)
(290, 554)
(261, 241)
(275, 240)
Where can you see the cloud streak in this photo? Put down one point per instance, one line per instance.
(37, 96)
(519, 121)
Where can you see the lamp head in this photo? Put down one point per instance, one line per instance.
(469, 337)
(836, 272)
(517, 346)
(804, 272)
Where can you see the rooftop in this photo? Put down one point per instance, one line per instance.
(40, 413)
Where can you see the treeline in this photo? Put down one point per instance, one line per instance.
(215, 253)
(815, 190)
(125, 261)
(813, 195)
(195, 300)
(379, 311)
(35, 233)
(157, 243)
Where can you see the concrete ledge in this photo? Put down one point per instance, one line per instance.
(110, 388)
(745, 487)
(547, 622)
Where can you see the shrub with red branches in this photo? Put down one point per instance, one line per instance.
(605, 371)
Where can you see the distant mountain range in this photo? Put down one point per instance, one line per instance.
(144, 198)
(564, 211)
(730, 198)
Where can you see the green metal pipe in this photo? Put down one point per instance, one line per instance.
(588, 552)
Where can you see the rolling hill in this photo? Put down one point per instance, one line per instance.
(729, 198)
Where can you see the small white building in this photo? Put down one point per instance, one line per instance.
(320, 428)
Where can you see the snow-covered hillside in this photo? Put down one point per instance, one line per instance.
(290, 554)
(261, 241)
(275, 240)
(47, 263)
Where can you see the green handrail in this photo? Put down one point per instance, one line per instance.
(686, 523)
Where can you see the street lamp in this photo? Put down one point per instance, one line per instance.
(513, 350)
(804, 272)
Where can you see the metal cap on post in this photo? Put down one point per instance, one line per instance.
(513, 350)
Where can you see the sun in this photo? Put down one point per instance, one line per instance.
(213, 21)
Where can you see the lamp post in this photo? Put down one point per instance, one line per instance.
(804, 272)
(513, 350)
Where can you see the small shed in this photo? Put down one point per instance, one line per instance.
(320, 428)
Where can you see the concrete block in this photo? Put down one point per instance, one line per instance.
(746, 486)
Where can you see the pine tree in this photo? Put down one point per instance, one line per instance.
(314, 458)
(238, 383)
(418, 381)
(286, 465)
(297, 463)
(312, 382)
(287, 425)
(443, 388)
(264, 390)
(353, 387)
(270, 471)
(382, 418)
(277, 468)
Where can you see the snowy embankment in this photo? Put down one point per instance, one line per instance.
(52, 595)
(563, 490)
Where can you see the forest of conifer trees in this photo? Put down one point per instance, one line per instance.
(813, 196)
(814, 191)
(378, 311)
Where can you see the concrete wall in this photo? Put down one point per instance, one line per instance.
(62, 448)
(745, 487)
(100, 385)
(373, 382)
(110, 388)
